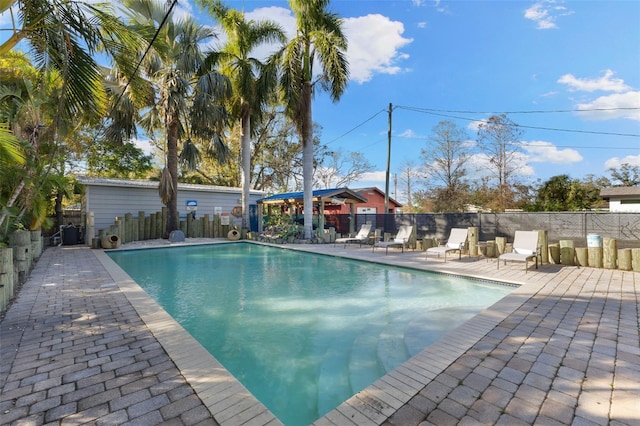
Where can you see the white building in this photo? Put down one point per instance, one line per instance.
(622, 198)
(111, 198)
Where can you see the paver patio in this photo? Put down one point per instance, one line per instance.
(84, 344)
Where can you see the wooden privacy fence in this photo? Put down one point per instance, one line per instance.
(25, 247)
(130, 228)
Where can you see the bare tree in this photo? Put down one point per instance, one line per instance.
(500, 138)
(409, 179)
(339, 169)
(626, 175)
(445, 161)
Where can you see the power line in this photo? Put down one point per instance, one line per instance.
(540, 111)
(359, 125)
(135, 71)
(524, 126)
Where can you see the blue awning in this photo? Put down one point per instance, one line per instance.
(343, 195)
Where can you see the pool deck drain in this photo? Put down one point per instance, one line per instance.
(83, 343)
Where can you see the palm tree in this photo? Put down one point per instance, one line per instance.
(62, 38)
(253, 81)
(188, 93)
(319, 38)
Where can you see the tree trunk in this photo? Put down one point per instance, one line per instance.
(59, 213)
(246, 167)
(173, 217)
(307, 163)
(12, 200)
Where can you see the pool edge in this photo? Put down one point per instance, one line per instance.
(228, 401)
(372, 405)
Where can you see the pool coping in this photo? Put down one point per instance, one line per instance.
(230, 403)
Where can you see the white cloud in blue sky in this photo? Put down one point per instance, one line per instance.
(606, 83)
(375, 44)
(545, 13)
(546, 152)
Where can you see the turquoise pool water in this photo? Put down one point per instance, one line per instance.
(303, 332)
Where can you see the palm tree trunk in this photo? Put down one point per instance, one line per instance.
(307, 163)
(12, 200)
(246, 167)
(173, 218)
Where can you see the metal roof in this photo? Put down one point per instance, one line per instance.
(344, 195)
(138, 183)
(620, 192)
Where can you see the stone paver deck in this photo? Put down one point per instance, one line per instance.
(83, 344)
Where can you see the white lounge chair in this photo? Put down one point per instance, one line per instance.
(401, 238)
(525, 248)
(361, 237)
(456, 242)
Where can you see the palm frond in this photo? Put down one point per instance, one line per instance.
(189, 156)
(10, 147)
(165, 187)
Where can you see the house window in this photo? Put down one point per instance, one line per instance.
(630, 201)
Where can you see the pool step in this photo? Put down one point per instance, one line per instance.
(364, 366)
(421, 332)
(391, 348)
(427, 329)
(333, 377)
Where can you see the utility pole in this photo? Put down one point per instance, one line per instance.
(386, 187)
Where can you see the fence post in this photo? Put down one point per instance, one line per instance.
(141, 225)
(567, 252)
(610, 253)
(635, 259)
(624, 259)
(582, 256)
(6, 276)
(472, 236)
(543, 243)
(90, 232)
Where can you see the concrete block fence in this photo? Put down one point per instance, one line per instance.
(25, 248)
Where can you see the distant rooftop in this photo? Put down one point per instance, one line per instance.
(620, 192)
(140, 183)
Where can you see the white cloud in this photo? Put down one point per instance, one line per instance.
(374, 46)
(480, 166)
(620, 104)
(605, 83)
(437, 4)
(144, 145)
(374, 41)
(409, 134)
(370, 179)
(279, 15)
(610, 103)
(615, 162)
(546, 152)
(182, 10)
(475, 125)
(545, 13)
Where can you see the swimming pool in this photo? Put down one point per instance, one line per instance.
(303, 332)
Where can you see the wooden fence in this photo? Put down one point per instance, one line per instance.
(130, 228)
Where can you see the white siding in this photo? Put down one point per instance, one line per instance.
(109, 202)
(618, 206)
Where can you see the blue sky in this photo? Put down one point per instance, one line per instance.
(433, 59)
(485, 57)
